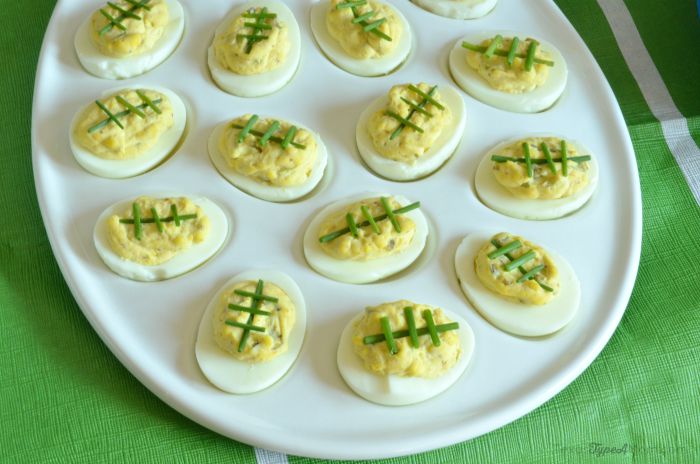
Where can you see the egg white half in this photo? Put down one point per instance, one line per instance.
(360, 272)
(369, 67)
(516, 318)
(119, 169)
(109, 67)
(394, 390)
(462, 9)
(498, 198)
(441, 150)
(539, 99)
(232, 375)
(259, 189)
(256, 85)
(181, 263)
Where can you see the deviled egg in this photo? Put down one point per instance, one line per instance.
(271, 159)
(127, 131)
(509, 71)
(153, 238)
(365, 238)
(256, 49)
(363, 37)
(458, 9)
(544, 177)
(518, 286)
(126, 38)
(252, 331)
(412, 131)
(402, 352)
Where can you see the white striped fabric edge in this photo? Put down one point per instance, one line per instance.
(673, 125)
(263, 456)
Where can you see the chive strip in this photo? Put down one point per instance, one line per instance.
(495, 43)
(136, 4)
(532, 272)
(121, 114)
(531, 51)
(428, 317)
(112, 20)
(274, 127)
(370, 219)
(528, 159)
(564, 159)
(289, 137)
(147, 101)
(162, 219)
(388, 335)
(504, 159)
(138, 228)
(125, 13)
(109, 114)
(246, 328)
(255, 305)
(548, 157)
(522, 269)
(411, 321)
(422, 104)
(426, 96)
(258, 26)
(502, 250)
(364, 24)
(252, 37)
(351, 4)
(373, 25)
(130, 107)
(372, 339)
(262, 14)
(417, 108)
(513, 49)
(404, 122)
(363, 17)
(248, 126)
(256, 296)
(504, 53)
(390, 214)
(244, 309)
(176, 216)
(338, 233)
(351, 224)
(519, 261)
(156, 219)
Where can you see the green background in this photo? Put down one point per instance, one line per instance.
(65, 397)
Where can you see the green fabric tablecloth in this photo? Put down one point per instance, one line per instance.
(65, 398)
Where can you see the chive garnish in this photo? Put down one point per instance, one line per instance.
(514, 245)
(520, 268)
(350, 4)
(245, 309)
(372, 339)
(370, 219)
(284, 142)
(426, 96)
(373, 25)
(528, 160)
(361, 19)
(351, 224)
(564, 159)
(262, 14)
(177, 219)
(530, 58)
(495, 43)
(246, 129)
(503, 53)
(246, 328)
(138, 228)
(123, 14)
(268, 133)
(504, 159)
(257, 27)
(415, 107)
(289, 137)
(130, 107)
(156, 219)
(254, 305)
(404, 122)
(121, 114)
(428, 316)
(532, 272)
(548, 157)
(256, 296)
(411, 321)
(519, 261)
(176, 216)
(513, 49)
(341, 232)
(109, 114)
(139, 4)
(112, 20)
(388, 335)
(148, 101)
(390, 214)
(419, 109)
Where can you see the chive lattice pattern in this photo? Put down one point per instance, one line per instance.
(123, 13)
(363, 20)
(416, 107)
(138, 220)
(138, 110)
(517, 263)
(389, 336)
(268, 135)
(253, 310)
(564, 159)
(510, 54)
(258, 27)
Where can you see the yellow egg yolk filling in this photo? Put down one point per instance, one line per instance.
(155, 247)
(426, 361)
(544, 184)
(494, 275)
(259, 346)
(352, 37)
(368, 244)
(269, 163)
(410, 144)
(140, 33)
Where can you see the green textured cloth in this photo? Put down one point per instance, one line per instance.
(65, 398)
